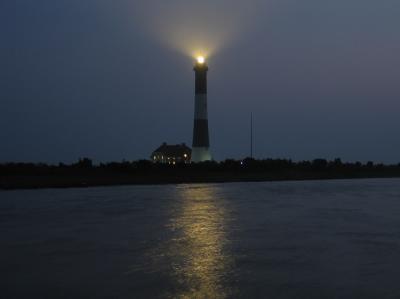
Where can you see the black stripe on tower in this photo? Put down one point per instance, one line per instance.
(200, 133)
(201, 78)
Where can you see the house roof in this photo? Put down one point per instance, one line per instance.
(173, 150)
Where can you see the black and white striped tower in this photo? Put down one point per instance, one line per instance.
(201, 141)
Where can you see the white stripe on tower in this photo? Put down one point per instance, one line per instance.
(201, 142)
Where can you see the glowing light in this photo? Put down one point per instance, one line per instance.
(185, 155)
(201, 59)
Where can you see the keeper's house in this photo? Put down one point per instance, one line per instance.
(172, 154)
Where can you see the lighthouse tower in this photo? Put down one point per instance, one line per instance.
(201, 141)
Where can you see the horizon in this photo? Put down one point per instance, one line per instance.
(148, 159)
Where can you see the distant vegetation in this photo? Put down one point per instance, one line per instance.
(85, 173)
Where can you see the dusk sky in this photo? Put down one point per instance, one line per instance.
(112, 80)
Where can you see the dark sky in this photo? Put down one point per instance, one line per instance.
(111, 80)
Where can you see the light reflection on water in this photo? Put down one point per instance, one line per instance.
(201, 262)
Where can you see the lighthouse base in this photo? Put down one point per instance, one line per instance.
(201, 154)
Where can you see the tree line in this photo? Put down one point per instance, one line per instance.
(85, 165)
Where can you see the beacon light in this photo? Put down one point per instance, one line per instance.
(200, 59)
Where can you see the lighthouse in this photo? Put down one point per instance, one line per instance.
(201, 140)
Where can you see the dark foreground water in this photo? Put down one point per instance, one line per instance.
(316, 239)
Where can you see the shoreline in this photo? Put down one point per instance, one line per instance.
(8, 183)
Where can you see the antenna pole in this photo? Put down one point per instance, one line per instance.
(251, 135)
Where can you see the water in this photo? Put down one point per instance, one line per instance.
(315, 239)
